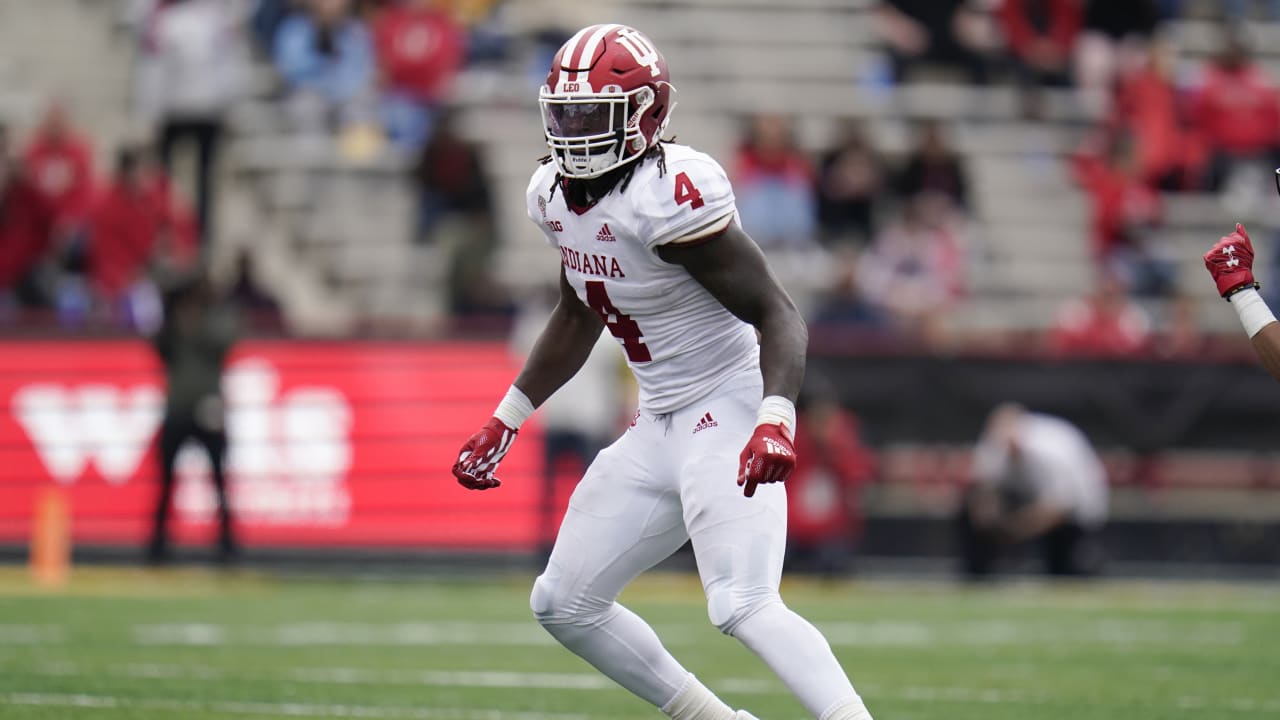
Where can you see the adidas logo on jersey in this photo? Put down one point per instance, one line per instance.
(604, 235)
(706, 422)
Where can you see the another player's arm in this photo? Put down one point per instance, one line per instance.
(1230, 262)
(561, 350)
(1267, 344)
(732, 268)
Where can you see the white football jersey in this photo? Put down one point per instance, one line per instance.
(680, 342)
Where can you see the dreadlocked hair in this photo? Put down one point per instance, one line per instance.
(623, 180)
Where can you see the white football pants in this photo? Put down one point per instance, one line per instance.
(668, 479)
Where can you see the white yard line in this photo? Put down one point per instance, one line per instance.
(390, 676)
(355, 634)
(16, 634)
(363, 712)
(567, 681)
(1119, 634)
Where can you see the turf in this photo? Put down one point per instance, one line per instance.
(134, 644)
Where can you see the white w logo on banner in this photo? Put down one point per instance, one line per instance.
(641, 50)
(102, 424)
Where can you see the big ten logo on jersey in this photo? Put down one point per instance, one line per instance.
(644, 53)
(554, 225)
(290, 453)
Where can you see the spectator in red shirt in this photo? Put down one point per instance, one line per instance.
(137, 226)
(1149, 108)
(59, 162)
(25, 228)
(824, 510)
(1126, 215)
(1237, 110)
(1041, 35)
(1114, 36)
(420, 48)
(775, 185)
(1105, 324)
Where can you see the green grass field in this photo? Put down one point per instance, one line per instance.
(186, 644)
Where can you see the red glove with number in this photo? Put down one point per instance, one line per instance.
(481, 454)
(768, 458)
(1230, 262)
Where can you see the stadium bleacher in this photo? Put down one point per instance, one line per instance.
(334, 234)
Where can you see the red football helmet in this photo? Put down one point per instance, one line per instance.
(607, 100)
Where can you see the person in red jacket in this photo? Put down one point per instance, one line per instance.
(1150, 109)
(824, 511)
(1041, 35)
(1127, 214)
(59, 161)
(1237, 111)
(137, 223)
(1105, 324)
(420, 48)
(25, 226)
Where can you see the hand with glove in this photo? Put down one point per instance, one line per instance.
(481, 454)
(769, 456)
(1230, 262)
(478, 460)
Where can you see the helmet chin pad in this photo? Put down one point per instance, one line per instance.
(587, 164)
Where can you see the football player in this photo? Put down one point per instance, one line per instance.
(1230, 262)
(651, 250)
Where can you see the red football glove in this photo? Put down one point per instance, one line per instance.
(481, 454)
(768, 458)
(1230, 262)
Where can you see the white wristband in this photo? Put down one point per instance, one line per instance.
(1253, 311)
(777, 410)
(514, 409)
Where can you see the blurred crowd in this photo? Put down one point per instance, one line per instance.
(897, 232)
(1161, 128)
(84, 246)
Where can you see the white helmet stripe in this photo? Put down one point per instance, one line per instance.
(589, 50)
(572, 48)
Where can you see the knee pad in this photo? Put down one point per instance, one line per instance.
(552, 604)
(542, 600)
(728, 607)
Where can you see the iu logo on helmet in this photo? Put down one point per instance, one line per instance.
(644, 53)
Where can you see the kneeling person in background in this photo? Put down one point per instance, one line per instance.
(1035, 477)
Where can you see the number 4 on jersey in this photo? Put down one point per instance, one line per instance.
(620, 326)
(687, 193)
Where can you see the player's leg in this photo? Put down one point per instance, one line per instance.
(215, 444)
(170, 442)
(739, 544)
(623, 518)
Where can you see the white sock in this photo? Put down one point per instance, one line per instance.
(799, 655)
(696, 702)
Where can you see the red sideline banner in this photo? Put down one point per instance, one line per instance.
(331, 444)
